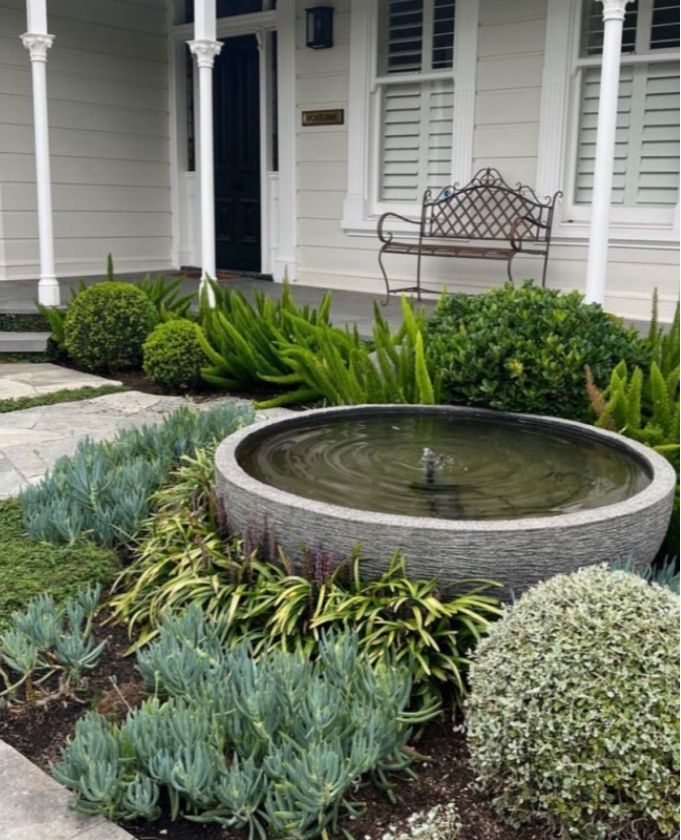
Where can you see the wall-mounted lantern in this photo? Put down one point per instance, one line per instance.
(319, 27)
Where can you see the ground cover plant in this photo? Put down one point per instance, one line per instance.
(45, 640)
(29, 567)
(20, 322)
(103, 490)
(254, 593)
(573, 711)
(54, 397)
(33, 358)
(525, 349)
(273, 745)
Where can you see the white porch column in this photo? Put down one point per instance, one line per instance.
(37, 42)
(613, 17)
(205, 47)
(285, 262)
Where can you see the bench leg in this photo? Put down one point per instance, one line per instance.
(385, 278)
(543, 275)
(508, 268)
(418, 276)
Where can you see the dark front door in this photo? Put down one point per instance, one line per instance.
(236, 114)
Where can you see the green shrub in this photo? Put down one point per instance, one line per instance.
(183, 559)
(273, 745)
(573, 707)
(45, 639)
(29, 567)
(525, 349)
(164, 295)
(173, 356)
(103, 490)
(106, 325)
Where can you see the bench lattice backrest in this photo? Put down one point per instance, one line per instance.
(487, 208)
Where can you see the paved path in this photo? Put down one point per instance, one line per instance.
(31, 440)
(26, 379)
(33, 806)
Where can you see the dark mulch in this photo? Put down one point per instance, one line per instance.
(137, 380)
(114, 686)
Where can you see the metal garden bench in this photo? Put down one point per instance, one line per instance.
(487, 219)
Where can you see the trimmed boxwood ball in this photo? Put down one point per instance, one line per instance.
(106, 325)
(173, 356)
(572, 714)
(525, 349)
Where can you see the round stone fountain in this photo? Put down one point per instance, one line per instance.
(461, 492)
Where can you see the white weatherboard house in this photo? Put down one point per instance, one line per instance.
(208, 133)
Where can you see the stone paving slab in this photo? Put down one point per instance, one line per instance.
(23, 342)
(33, 439)
(25, 379)
(33, 806)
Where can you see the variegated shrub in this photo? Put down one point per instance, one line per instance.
(573, 711)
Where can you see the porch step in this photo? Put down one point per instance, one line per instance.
(23, 342)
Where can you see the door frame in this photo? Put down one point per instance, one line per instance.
(184, 186)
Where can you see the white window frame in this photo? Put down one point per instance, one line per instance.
(558, 135)
(362, 206)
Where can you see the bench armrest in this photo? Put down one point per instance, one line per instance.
(517, 242)
(387, 236)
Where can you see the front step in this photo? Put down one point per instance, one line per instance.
(23, 342)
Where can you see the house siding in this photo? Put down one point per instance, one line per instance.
(107, 81)
(510, 60)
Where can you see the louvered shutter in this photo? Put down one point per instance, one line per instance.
(401, 142)
(588, 126)
(416, 115)
(658, 148)
(646, 167)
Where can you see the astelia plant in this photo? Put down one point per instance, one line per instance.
(273, 745)
(46, 640)
(273, 601)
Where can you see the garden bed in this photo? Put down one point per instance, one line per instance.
(38, 733)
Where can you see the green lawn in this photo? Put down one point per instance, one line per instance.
(29, 567)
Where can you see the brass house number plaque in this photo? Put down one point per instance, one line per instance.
(330, 116)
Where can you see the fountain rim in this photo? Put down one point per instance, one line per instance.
(661, 473)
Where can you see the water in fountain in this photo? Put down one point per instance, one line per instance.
(444, 466)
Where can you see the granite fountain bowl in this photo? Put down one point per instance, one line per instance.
(461, 492)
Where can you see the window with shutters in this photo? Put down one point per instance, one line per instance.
(415, 97)
(646, 173)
